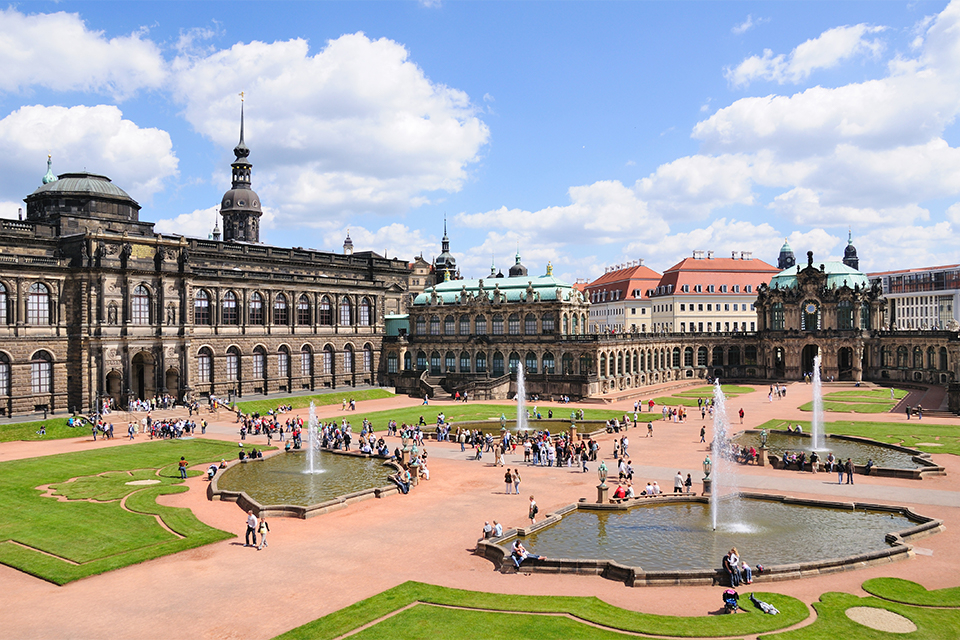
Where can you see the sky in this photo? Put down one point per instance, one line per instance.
(586, 134)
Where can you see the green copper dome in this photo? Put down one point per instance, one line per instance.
(838, 275)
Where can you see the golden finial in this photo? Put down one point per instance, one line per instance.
(241, 96)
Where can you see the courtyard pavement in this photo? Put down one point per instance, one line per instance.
(313, 567)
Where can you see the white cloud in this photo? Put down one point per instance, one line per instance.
(827, 50)
(804, 206)
(398, 240)
(199, 223)
(355, 128)
(601, 212)
(914, 246)
(746, 25)
(693, 186)
(953, 213)
(58, 52)
(97, 138)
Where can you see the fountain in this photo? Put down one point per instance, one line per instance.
(311, 441)
(521, 400)
(722, 469)
(816, 425)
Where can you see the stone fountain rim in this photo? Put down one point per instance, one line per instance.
(247, 503)
(496, 549)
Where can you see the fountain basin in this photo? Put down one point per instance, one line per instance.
(278, 486)
(889, 459)
(667, 540)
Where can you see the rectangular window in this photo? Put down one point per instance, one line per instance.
(700, 327)
(710, 288)
(709, 327)
(699, 307)
(709, 307)
(735, 306)
(753, 326)
(283, 369)
(306, 363)
(392, 363)
(726, 307)
(40, 376)
(726, 326)
(683, 307)
(231, 366)
(256, 310)
(683, 327)
(258, 362)
(498, 325)
(203, 368)
(513, 325)
(481, 325)
(327, 361)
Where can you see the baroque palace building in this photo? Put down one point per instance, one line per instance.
(94, 303)
(468, 336)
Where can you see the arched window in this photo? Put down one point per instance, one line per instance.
(421, 326)
(943, 358)
(306, 362)
(844, 315)
(931, 358)
(481, 360)
(530, 325)
(548, 325)
(38, 304)
(348, 358)
(259, 363)
(902, 357)
(364, 313)
(733, 356)
(530, 363)
(497, 325)
(256, 309)
(549, 365)
(407, 361)
(4, 375)
(513, 362)
(917, 358)
(280, 312)
(750, 354)
(392, 363)
(481, 325)
(566, 325)
(464, 362)
(865, 316)
(233, 364)
(283, 362)
(567, 361)
(140, 305)
(41, 372)
(346, 314)
(450, 361)
(204, 366)
(4, 318)
(676, 357)
(326, 312)
(328, 360)
(303, 311)
(513, 324)
(810, 316)
(688, 357)
(576, 326)
(464, 325)
(777, 322)
(435, 363)
(434, 325)
(585, 363)
(367, 357)
(497, 363)
(886, 359)
(421, 361)
(201, 307)
(229, 314)
(718, 356)
(449, 326)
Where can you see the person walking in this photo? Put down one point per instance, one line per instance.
(508, 481)
(264, 528)
(533, 511)
(849, 470)
(741, 415)
(516, 481)
(703, 433)
(251, 529)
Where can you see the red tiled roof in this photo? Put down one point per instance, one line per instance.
(627, 281)
(716, 271)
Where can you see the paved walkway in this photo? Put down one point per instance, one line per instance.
(317, 566)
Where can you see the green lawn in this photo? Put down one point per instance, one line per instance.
(461, 412)
(859, 401)
(488, 619)
(91, 532)
(911, 434)
(455, 614)
(299, 402)
(56, 428)
(689, 397)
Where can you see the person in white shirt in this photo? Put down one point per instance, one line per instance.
(251, 529)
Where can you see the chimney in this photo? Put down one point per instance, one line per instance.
(733, 255)
(709, 255)
(746, 255)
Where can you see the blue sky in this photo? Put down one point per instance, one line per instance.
(586, 133)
